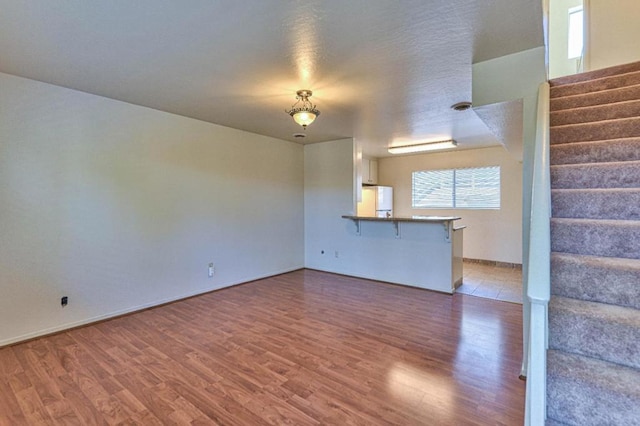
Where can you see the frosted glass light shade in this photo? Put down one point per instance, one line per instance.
(304, 118)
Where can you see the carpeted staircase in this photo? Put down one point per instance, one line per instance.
(593, 362)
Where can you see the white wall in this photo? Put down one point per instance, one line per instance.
(613, 32)
(328, 194)
(120, 207)
(490, 234)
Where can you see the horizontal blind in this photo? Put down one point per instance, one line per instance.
(472, 188)
(477, 188)
(432, 189)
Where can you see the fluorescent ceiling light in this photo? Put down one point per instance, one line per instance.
(420, 147)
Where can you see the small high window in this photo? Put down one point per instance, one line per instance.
(473, 188)
(575, 42)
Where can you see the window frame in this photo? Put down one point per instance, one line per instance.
(493, 203)
(574, 11)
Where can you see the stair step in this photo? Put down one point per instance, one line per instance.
(609, 280)
(596, 85)
(551, 422)
(630, 93)
(598, 203)
(600, 130)
(597, 330)
(614, 150)
(593, 237)
(596, 74)
(596, 113)
(622, 174)
(586, 391)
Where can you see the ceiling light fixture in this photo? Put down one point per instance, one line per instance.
(303, 111)
(428, 146)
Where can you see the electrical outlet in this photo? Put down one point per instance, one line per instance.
(64, 300)
(212, 270)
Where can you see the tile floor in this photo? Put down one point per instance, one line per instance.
(492, 282)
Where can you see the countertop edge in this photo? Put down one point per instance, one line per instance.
(425, 219)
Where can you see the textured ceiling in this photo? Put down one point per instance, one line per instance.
(380, 70)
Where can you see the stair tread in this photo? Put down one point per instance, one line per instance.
(596, 190)
(596, 203)
(596, 237)
(587, 391)
(592, 93)
(592, 131)
(620, 94)
(582, 276)
(596, 113)
(596, 123)
(622, 163)
(614, 174)
(552, 422)
(609, 263)
(602, 151)
(596, 74)
(598, 330)
(598, 311)
(607, 222)
(596, 84)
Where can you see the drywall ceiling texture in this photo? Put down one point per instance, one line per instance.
(120, 207)
(380, 71)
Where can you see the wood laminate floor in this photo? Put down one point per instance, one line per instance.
(304, 348)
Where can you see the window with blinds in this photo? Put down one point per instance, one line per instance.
(473, 188)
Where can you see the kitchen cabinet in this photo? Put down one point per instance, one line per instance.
(369, 171)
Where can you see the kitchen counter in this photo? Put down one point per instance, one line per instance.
(418, 251)
(447, 221)
(405, 218)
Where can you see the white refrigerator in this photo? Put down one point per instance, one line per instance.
(377, 201)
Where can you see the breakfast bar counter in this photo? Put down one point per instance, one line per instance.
(436, 219)
(418, 251)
